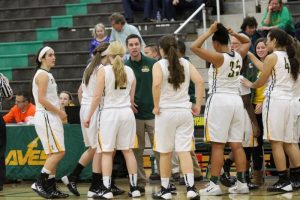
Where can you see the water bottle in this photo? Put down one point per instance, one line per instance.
(158, 17)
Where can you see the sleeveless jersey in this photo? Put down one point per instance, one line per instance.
(89, 90)
(51, 94)
(280, 81)
(225, 79)
(169, 97)
(117, 97)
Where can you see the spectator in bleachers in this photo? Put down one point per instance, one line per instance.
(65, 99)
(170, 6)
(6, 92)
(148, 6)
(249, 28)
(99, 35)
(152, 51)
(121, 30)
(277, 16)
(22, 111)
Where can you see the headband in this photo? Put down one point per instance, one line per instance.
(104, 53)
(42, 52)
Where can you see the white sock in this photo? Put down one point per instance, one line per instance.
(51, 176)
(189, 179)
(107, 181)
(133, 179)
(45, 171)
(165, 182)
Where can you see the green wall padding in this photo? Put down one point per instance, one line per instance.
(46, 34)
(76, 9)
(11, 48)
(7, 72)
(90, 1)
(62, 21)
(8, 62)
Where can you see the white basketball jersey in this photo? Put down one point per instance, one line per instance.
(280, 82)
(296, 88)
(89, 90)
(225, 79)
(51, 94)
(117, 97)
(169, 97)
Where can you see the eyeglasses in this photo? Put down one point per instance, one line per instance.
(20, 101)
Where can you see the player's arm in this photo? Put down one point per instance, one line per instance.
(269, 63)
(79, 93)
(245, 42)
(199, 88)
(249, 108)
(215, 58)
(42, 84)
(257, 63)
(98, 92)
(157, 81)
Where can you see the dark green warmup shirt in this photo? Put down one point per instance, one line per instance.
(143, 92)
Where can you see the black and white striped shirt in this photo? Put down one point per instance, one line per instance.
(6, 90)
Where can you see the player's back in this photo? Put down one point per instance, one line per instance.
(225, 79)
(117, 97)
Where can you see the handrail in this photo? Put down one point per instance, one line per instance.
(244, 8)
(218, 10)
(190, 18)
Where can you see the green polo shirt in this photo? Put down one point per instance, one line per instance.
(143, 92)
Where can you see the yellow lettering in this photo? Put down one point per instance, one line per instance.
(34, 158)
(23, 160)
(11, 158)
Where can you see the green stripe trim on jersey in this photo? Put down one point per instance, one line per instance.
(76, 9)
(43, 34)
(62, 21)
(11, 48)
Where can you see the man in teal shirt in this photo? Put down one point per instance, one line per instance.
(143, 100)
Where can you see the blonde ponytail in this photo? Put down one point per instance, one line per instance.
(119, 71)
(117, 50)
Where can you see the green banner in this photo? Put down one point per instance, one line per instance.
(25, 156)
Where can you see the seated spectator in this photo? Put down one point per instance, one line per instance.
(169, 8)
(249, 28)
(22, 111)
(152, 51)
(277, 16)
(99, 35)
(65, 99)
(120, 29)
(149, 7)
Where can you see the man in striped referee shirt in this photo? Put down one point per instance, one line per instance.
(6, 92)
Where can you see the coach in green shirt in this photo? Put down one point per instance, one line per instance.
(143, 100)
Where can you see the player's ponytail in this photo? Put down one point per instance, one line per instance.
(169, 45)
(117, 50)
(293, 61)
(284, 40)
(99, 54)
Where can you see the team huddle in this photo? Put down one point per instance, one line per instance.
(108, 108)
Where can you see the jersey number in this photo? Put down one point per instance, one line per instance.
(235, 69)
(286, 65)
(121, 88)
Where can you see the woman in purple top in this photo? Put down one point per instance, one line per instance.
(99, 35)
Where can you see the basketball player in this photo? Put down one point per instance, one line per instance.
(224, 112)
(90, 135)
(171, 79)
(48, 123)
(117, 121)
(278, 69)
